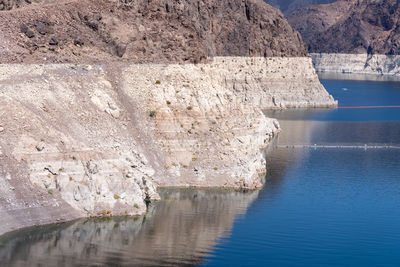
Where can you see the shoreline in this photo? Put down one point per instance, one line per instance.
(358, 64)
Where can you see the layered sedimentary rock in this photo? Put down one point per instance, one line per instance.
(98, 139)
(276, 83)
(357, 63)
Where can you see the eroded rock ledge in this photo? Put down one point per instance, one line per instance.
(96, 140)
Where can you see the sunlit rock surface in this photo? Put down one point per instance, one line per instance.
(97, 140)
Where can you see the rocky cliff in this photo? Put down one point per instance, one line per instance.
(351, 36)
(99, 139)
(98, 136)
(162, 31)
(350, 26)
(316, 19)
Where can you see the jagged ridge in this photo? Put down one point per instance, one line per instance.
(350, 26)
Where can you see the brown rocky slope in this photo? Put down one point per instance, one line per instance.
(350, 26)
(144, 31)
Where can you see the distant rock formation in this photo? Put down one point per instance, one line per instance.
(388, 65)
(288, 6)
(350, 26)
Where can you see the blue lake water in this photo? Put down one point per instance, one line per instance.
(320, 206)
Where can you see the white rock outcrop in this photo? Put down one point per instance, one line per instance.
(357, 63)
(98, 140)
(275, 83)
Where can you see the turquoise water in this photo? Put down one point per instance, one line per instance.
(320, 206)
(327, 206)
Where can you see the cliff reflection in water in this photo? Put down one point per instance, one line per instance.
(181, 229)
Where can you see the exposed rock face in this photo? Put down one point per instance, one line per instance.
(357, 63)
(288, 6)
(350, 26)
(65, 129)
(313, 20)
(142, 31)
(276, 83)
(99, 139)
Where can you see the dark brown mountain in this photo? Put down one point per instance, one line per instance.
(144, 31)
(350, 26)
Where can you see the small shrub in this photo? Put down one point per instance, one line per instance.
(174, 164)
(50, 191)
(147, 201)
(189, 132)
(116, 196)
(194, 159)
(189, 108)
(215, 169)
(71, 179)
(168, 102)
(158, 82)
(152, 113)
(136, 206)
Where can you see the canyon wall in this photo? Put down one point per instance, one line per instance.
(357, 63)
(111, 99)
(97, 140)
(350, 27)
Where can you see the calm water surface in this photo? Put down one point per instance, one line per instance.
(321, 206)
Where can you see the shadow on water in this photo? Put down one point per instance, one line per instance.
(180, 230)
